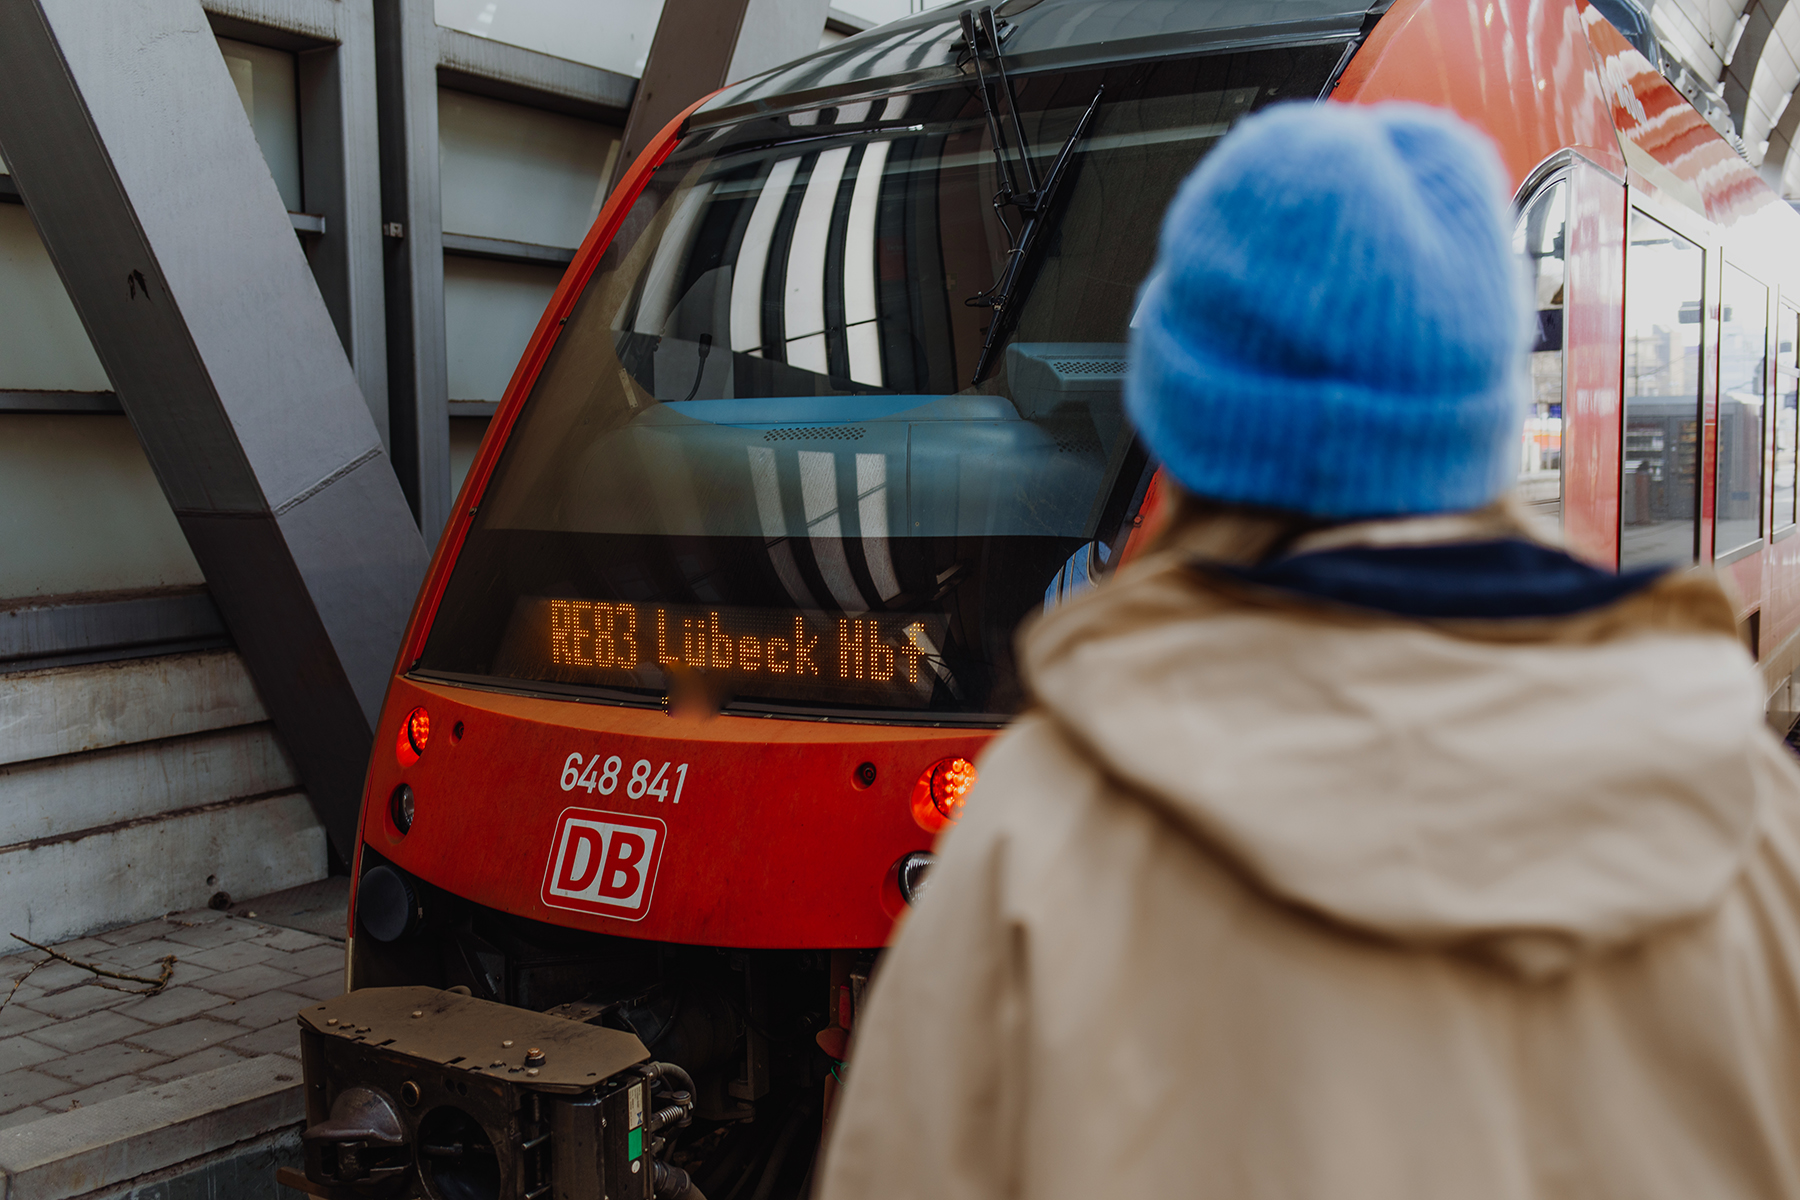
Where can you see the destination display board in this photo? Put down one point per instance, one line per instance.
(889, 659)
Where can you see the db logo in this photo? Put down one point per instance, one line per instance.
(604, 863)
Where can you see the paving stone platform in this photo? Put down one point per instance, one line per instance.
(69, 1041)
(190, 1094)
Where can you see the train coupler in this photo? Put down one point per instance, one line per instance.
(416, 1091)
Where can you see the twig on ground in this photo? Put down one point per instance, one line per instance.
(155, 985)
(21, 979)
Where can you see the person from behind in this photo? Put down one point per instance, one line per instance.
(1356, 843)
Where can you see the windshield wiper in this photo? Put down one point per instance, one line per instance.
(1036, 200)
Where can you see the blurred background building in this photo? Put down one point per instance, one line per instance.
(439, 164)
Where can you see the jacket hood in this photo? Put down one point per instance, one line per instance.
(1533, 790)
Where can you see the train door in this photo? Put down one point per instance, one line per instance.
(1593, 337)
(1662, 498)
(1781, 607)
(1743, 387)
(1741, 434)
(1541, 237)
(1785, 425)
(1571, 234)
(1739, 465)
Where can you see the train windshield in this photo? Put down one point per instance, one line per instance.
(775, 445)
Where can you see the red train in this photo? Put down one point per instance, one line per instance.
(826, 406)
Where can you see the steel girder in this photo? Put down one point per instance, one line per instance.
(131, 150)
(406, 54)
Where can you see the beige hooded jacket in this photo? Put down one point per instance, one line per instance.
(1269, 899)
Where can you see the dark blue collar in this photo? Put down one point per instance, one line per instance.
(1510, 578)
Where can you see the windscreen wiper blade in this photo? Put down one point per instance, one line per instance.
(1036, 200)
(1002, 295)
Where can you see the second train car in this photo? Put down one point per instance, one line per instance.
(827, 405)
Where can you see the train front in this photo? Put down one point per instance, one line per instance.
(727, 609)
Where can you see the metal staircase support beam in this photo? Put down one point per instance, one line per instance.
(702, 45)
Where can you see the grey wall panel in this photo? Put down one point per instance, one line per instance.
(341, 156)
(313, 20)
(42, 344)
(83, 511)
(490, 68)
(406, 40)
(128, 142)
(519, 173)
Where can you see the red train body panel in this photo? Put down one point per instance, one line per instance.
(774, 841)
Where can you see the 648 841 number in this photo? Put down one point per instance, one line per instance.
(579, 772)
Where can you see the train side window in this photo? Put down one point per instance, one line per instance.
(1660, 480)
(1541, 237)
(1787, 414)
(1743, 385)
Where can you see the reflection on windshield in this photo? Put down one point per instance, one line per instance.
(761, 400)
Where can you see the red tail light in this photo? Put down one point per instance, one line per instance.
(937, 798)
(415, 731)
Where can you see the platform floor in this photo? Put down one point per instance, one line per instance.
(240, 976)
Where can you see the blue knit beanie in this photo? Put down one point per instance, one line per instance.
(1336, 324)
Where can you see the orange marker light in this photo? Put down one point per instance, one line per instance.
(415, 731)
(937, 798)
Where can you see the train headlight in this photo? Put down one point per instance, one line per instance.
(400, 807)
(938, 796)
(913, 871)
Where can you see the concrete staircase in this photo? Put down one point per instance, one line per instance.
(131, 789)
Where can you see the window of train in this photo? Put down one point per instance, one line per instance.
(1540, 237)
(760, 447)
(1787, 416)
(1743, 383)
(1659, 489)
